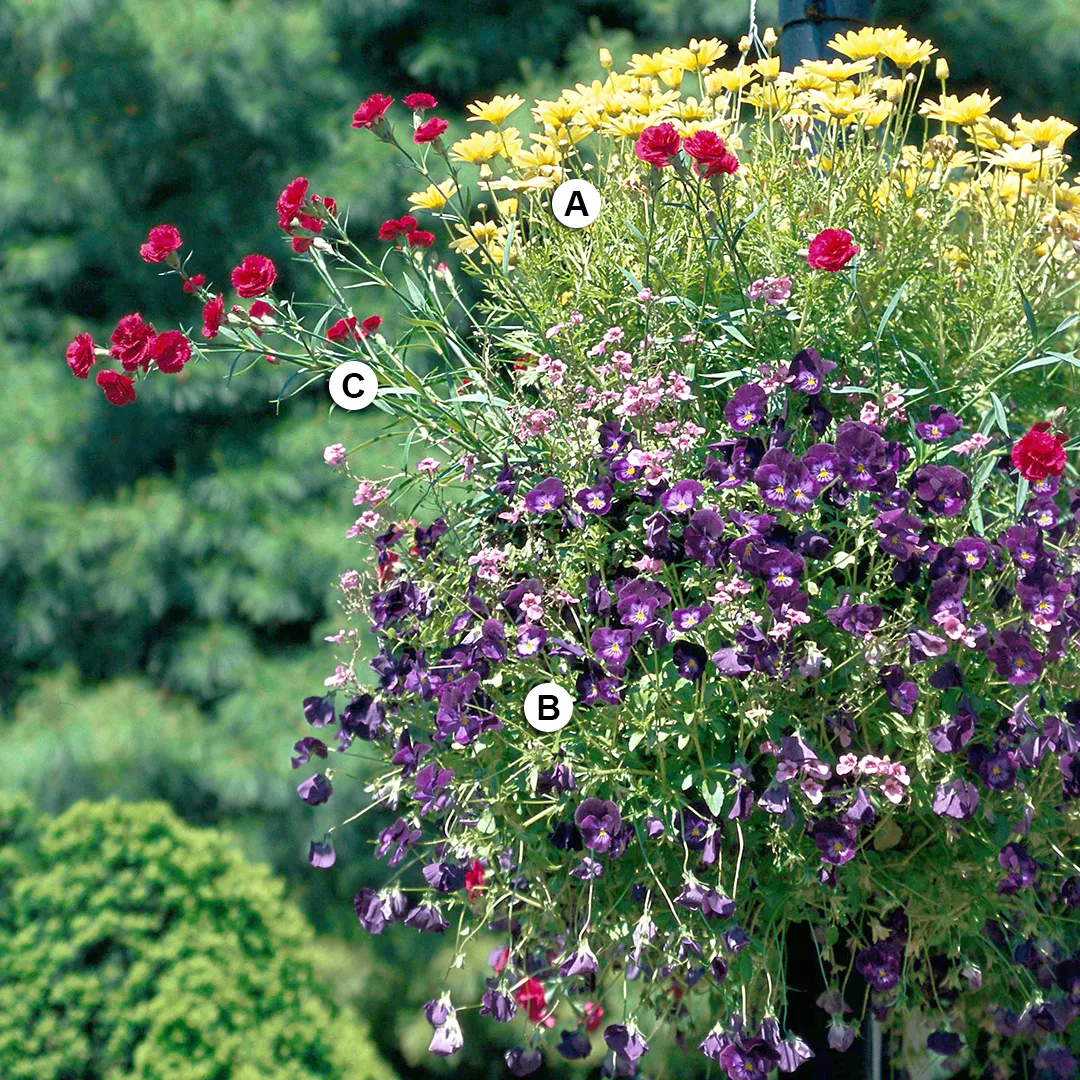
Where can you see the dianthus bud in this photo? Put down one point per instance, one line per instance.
(941, 68)
(605, 58)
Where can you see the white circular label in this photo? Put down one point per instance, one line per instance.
(576, 203)
(353, 385)
(548, 707)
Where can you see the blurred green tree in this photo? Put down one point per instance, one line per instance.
(138, 946)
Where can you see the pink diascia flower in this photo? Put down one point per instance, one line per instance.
(342, 677)
(975, 443)
(487, 563)
(428, 466)
(773, 290)
(536, 422)
(367, 520)
(334, 455)
(350, 580)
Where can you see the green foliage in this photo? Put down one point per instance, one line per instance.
(139, 947)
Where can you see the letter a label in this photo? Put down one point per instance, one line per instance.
(576, 204)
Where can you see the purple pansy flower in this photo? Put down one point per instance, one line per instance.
(548, 495)
(702, 537)
(973, 552)
(746, 407)
(684, 619)
(808, 370)
(1015, 658)
(942, 489)
(612, 648)
(902, 693)
(941, 425)
(322, 856)
(862, 455)
(315, 789)
(856, 619)
(956, 799)
(690, 659)
(530, 640)
(1021, 866)
(318, 711)
(880, 966)
(305, 748)
(835, 840)
(625, 1041)
(681, 497)
(596, 499)
(599, 822)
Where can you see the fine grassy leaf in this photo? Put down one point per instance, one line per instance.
(888, 313)
(999, 413)
(1021, 496)
(1029, 315)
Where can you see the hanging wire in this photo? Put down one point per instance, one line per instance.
(755, 38)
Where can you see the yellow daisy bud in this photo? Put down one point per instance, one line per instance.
(605, 58)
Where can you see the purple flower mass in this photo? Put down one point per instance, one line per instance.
(808, 370)
(746, 408)
(940, 426)
(600, 823)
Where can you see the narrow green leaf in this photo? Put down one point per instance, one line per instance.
(985, 469)
(1021, 496)
(1029, 314)
(890, 308)
(734, 332)
(999, 413)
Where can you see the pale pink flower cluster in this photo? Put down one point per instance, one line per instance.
(954, 629)
(487, 562)
(367, 491)
(644, 296)
(726, 592)
(812, 772)
(366, 521)
(532, 607)
(340, 636)
(554, 369)
(681, 438)
(342, 677)
(770, 379)
(773, 290)
(334, 455)
(972, 445)
(350, 580)
(611, 336)
(893, 776)
(869, 413)
(535, 422)
(429, 466)
(894, 402)
(647, 396)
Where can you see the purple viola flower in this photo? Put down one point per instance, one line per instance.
(856, 619)
(574, 1045)
(1044, 512)
(499, 1005)
(1015, 658)
(596, 499)
(407, 755)
(690, 659)
(305, 748)
(746, 407)
(902, 693)
(580, 962)
(523, 1062)
(899, 534)
(322, 856)
(880, 966)
(444, 877)
(315, 789)
(599, 822)
(364, 718)
(862, 455)
(973, 551)
(548, 495)
(318, 711)
(941, 425)
(1021, 866)
(775, 477)
(400, 836)
(953, 736)
(625, 1041)
(681, 497)
(748, 1059)
(588, 869)
(375, 911)
(556, 781)
(1024, 543)
(841, 1035)
(530, 640)
(711, 904)
(693, 827)
(613, 440)
(835, 840)
(612, 648)
(702, 537)
(942, 489)
(957, 799)
(1040, 594)
(808, 370)
(1067, 976)
(945, 1043)
(427, 919)
(716, 1042)
(733, 662)
(684, 619)
(822, 462)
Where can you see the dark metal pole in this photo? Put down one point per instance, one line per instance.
(807, 25)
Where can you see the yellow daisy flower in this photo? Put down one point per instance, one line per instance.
(698, 55)
(483, 146)
(730, 79)
(1053, 131)
(908, 52)
(991, 133)
(769, 66)
(649, 63)
(496, 110)
(434, 196)
(963, 112)
(867, 43)
(835, 70)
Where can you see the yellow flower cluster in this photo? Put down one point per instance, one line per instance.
(832, 109)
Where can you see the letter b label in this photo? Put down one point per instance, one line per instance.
(548, 707)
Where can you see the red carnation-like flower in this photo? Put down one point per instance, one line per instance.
(421, 238)
(290, 201)
(131, 342)
(1038, 454)
(371, 111)
(213, 314)
(80, 355)
(711, 156)
(370, 325)
(657, 145)
(119, 389)
(194, 283)
(419, 102)
(429, 130)
(474, 879)
(160, 244)
(261, 310)
(170, 352)
(395, 227)
(301, 244)
(342, 329)
(831, 250)
(330, 204)
(532, 997)
(254, 276)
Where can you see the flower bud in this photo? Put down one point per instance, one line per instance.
(941, 68)
(605, 58)
(744, 44)
(769, 38)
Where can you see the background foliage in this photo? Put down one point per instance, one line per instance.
(166, 570)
